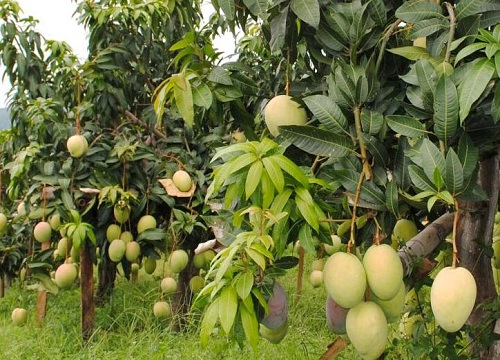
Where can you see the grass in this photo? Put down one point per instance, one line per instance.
(126, 328)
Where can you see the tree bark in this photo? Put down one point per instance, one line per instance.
(41, 302)
(87, 291)
(2, 286)
(475, 233)
(107, 276)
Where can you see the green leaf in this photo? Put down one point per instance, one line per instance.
(377, 149)
(454, 176)
(306, 239)
(228, 7)
(257, 7)
(473, 7)
(426, 75)
(411, 52)
(184, 98)
(473, 85)
(226, 263)
(405, 125)
(495, 104)
(468, 155)
(253, 178)
(468, 50)
(327, 112)
(307, 11)
(317, 141)
(428, 27)
(378, 11)
(244, 284)
(281, 200)
(371, 121)
(414, 11)
(210, 318)
(391, 197)
(369, 191)
(292, 169)
(220, 75)
(257, 257)
(305, 205)
(431, 158)
(401, 162)
(419, 179)
(228, 307)
(250, 323)
(274, 172)
(49, 285)
(445, 109)
(202, 96)
(278, 30)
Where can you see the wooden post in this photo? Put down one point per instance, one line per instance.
(87, 291)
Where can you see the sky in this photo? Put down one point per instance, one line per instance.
(57, 23)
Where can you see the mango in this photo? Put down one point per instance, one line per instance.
(132, 250)
(345, 279)
(384, 271)
(453, 294)
(178, 260)
(274, 335)
(393, 308)
(182, 180)
(19, 316)
(146, 222)
(366, 327)
(116, 250)
(42, 231)
(316, 278)
(149, 265)
(278, 308)
(161, 310)
(65, 275)
(335, 316)
(168, 285)
(282, 110)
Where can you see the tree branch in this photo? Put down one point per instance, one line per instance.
(136, 121)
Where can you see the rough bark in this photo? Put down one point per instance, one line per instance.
(2, 286)
(107, 276)
(475, 232)
(41, 302)
(87, 291)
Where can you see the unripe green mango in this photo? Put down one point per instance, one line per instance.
(393, 308)
(178, 260)
(367, 329)
(496, 251)
(384, 271)
(65, 275)
(345, 279)
(116, 250)
(453, 295)
(149, 265)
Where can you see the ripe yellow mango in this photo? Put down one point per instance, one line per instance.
(453, 294)
(345, 279)
(367, 329)
(384, 271)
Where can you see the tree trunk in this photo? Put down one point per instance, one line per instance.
(2, 286)
(41, 302)
(107, 276)
(475, 232)
(87, 291)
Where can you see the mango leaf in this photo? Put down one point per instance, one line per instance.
(401, 163)
(495, 104)
(257, 7)
(228, 7)
(428, 27)
(257, 257)
(473, 7)
(454, 175)
(376, 149)
(371, 121)
(445, 109)
(419, 179)
(305, 205)
(244, 284)
(274, 172)
(473, 85)
(250, 323)
(278, 30)
(210, 318)
(307, 11)
(327, 112)
(411, 52)
(306, 239)
(202, 96)
(405, 125)
(414, 11)
(468, 155)
(378, 11)
(432, 158)
(292, 169)
(253, 178)
(184, 98)
(228, 307)
(391, 197)
(220, 75)
(468, 50)
(426, 75)
(369, 191)
(317, 141)
(47, 282)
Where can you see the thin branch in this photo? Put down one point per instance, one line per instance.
(385, 40)
(451, 32)
(136, 121)
(352, 241)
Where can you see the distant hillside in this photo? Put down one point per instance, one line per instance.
(4, 119)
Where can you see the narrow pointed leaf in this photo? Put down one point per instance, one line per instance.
(371, 121)
(257, 7)
(405, 125)
(184, 98)
(292, 169)
(426, 79)
(411, 52)
(454, 176)
(369, 191)
(428, 27)
(244, 284)
(210, 318)
(391, 197)
(318, 141)
(306, 239)
(228, 7)
(228, 307)
(419, 179)
(473, 85)
(307, 11)
(250, 323)
(378, 11)
(327, 112)
(416, 10)
(468, 155)
(274, 172)
(473, 7)
(445, 109)
(202, 96)
(431, 158)
(401, 163)
(253, 178)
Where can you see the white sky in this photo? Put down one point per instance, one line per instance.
(57, 23)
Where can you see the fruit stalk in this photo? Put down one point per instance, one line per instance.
(454, 239)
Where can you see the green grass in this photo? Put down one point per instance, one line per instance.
(126, 328)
